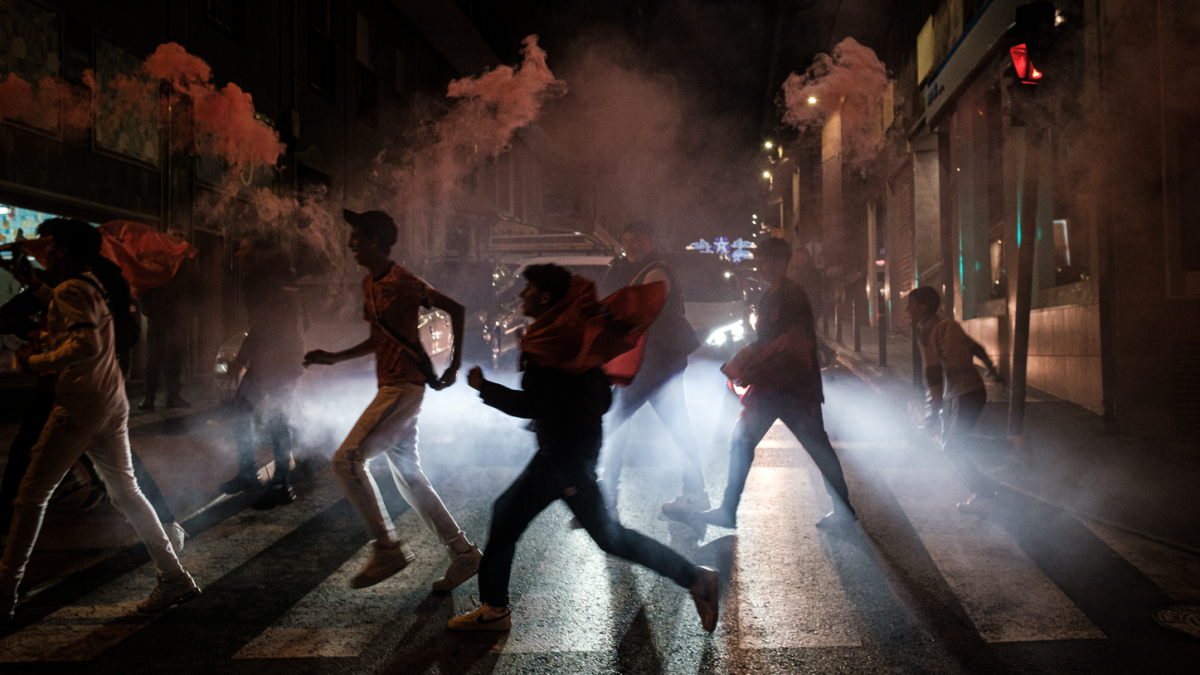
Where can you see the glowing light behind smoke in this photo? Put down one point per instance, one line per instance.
(850, 81)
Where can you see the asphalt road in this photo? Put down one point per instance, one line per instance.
(914, 588)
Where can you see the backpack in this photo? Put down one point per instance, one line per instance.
(127, 329)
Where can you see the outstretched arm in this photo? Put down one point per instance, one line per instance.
(323, 358)
(514, 402)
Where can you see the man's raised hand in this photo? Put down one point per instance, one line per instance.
(475, 378)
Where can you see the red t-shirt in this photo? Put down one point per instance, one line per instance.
(397, 298)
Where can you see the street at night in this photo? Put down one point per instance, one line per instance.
(914, 588)
(433, 337)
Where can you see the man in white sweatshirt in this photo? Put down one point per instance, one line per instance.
(90, 415)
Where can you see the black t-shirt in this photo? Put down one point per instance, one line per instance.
(779, 312)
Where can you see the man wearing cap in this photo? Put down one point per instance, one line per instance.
(394, 298)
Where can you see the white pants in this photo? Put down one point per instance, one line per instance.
(389, 427)
(66, 436)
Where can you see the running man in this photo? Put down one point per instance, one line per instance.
(948, 356)
(565, 394)
(90, 414)
(795, 397)
(394, 298)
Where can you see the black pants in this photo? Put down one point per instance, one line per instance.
(804, 419)
(164, 352)
(544, 481)
(663, 391)
(956, 440)
(261, 403)
(41, 402)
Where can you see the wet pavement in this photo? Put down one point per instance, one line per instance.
(914, 588)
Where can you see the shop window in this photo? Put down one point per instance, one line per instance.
(1069, 238)
(321, 68)
(227, 16)
(999, 284)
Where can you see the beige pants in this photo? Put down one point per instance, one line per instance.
(389, 427)
(105, 438)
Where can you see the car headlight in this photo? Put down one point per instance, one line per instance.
(730, 333)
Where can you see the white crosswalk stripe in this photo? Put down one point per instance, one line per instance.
(336, 620)
(103, 618)
(784, 593)
(789, 594)
(1002, 590)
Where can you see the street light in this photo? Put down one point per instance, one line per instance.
(766, 174)
(768, 145)
(812, 100)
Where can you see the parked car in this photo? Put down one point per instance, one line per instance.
(479, 284)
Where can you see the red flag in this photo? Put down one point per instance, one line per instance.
(148, 257)
(580, 332)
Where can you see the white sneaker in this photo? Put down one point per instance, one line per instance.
(463, 566)
(384, 563)
(688, 502)
(169, 592)
(176, 534)
(484, 618)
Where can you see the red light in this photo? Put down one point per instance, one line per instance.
(1024, 66)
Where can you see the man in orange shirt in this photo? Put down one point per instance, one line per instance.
(394, 298)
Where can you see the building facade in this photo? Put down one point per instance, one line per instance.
(1114, 322)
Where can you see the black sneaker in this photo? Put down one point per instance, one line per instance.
(94, 499)
(240, 483)
(277, 494)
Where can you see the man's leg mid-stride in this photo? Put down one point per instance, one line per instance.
(389, 426)
(63, 441)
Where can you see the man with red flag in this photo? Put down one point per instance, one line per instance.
(565, 394)
(659, 382)
(784, 376)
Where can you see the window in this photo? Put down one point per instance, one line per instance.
(999, 287)
(321, 69)
(368, 83)
(364, 43)
(925, 51)
(1068, 262)
(228, 16)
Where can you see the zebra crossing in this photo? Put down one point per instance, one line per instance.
(783, 588)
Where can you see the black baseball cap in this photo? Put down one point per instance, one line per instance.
(369, 219)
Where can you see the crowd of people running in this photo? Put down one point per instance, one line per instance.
(75, 311)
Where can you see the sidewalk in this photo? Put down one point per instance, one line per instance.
(1150, 488)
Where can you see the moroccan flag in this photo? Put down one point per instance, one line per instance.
(580, 332)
